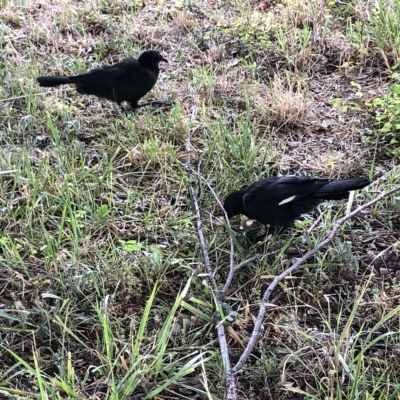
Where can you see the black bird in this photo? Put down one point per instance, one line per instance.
(277, 202)
(128, 80)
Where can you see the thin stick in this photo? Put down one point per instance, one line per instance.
(257, 326)
(232, 268)
(232, 247)
(230, 378)
(203, 245)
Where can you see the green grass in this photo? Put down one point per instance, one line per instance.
(103, 289)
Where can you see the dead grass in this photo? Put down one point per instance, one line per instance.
(287, 106)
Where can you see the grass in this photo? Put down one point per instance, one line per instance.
(102, 285)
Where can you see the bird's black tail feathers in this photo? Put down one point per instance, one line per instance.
(339, 189)
(48, 81)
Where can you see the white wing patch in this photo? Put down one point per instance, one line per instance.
(288, 200)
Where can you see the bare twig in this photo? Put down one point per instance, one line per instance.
(230, 378)
(257, 326)
(232, 248)
(203, 245)
(315, 223)
(232, 268)
(251, 259)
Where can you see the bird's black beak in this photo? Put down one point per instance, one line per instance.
(163, 59)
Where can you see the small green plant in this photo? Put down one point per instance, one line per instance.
(387, 117)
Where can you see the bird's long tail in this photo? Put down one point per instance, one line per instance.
(339, 189)
(48, 81)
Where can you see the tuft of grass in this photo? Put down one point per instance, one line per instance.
(386, 112)
(288, 106)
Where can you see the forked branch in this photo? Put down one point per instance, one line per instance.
(267, 294)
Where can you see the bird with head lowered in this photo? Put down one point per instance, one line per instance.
(128, 80)
(279, 201)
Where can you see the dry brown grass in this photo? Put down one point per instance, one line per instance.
(288, 106)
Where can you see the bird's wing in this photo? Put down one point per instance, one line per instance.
(127, 72)
(278, 191)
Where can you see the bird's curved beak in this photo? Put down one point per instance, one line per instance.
(163, 59)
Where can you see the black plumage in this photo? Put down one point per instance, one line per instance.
(277, 202)
(128, 80)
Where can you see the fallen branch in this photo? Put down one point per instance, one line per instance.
(257, 326)
(218, 298)
(232, 271)
(232, 247)
(232, 268)
(218, 295)
(203, 245)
